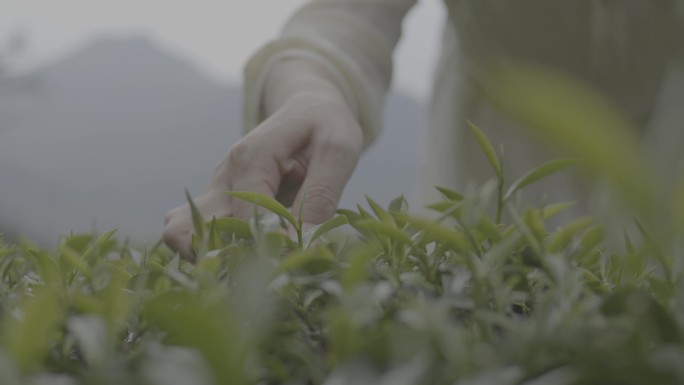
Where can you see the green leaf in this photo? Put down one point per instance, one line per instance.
(557, 241)
(450, 194)
(186, 321)
(487, 148)
(327, 226)
(539, 173)
(629, 246)
(364, 214)
(655, 247)
(434, 231)
(196, 244)
(273, 243)
(266, 202)
(569, 115)
(47, 267)
(74, 260)
(79, 242)
(301, 258)
(535, 223)
(552, 210)
(233, 227)
(375, 228)
(593, 237)
(443, 207)
(351, 216)
(100, 243)
(379, 211)
(398, 205)
(28, 339)
(214, 238)
(489, 229)
(197, 220)
(679, 207)
(361, 257)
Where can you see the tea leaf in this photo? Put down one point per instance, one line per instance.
(74, 260)
(379, 211)
(233, 227)
(539, 173)
(197, 220)
(552, 210)
(398, 205)
(382, 228)
(557, 241)
(487, 148)
(299, 259)
(266, 202)
(571, 116)
(28, 338)
(328, 226)
(449, 194)
(453, 238)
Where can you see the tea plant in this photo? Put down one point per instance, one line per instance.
(373, 296)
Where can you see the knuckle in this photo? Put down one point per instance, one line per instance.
(168, 218)
(171, 215)
(320, 198)
(238, 152)
(172, 235)
(341, 147)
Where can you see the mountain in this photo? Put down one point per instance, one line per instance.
(111, 135)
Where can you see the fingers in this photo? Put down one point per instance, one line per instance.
(177, 232)
(256, 163)
(178, 227)
(261, 162)
(311, 138)
(332, 164)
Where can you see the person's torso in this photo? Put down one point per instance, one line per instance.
(621, 46)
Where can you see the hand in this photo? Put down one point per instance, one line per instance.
(312, 138)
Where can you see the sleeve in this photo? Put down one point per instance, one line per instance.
(353, 39)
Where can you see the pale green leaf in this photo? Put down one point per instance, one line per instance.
(379, 211)
(375, 228)
(28, 338)
(539, 173)
(327, 226)
(266, 202)
(197, 220)
(569, 115)
(449, 194)
(487, 148)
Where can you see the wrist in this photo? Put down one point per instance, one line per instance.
(299, 78)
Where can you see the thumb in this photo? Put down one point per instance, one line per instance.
(329, 171)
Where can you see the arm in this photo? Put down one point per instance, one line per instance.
(353, 39)
(313, 101)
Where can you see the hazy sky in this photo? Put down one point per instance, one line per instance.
(218, 35)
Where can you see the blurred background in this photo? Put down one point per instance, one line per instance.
(109, 110)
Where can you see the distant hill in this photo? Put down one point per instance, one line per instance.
(113, 134)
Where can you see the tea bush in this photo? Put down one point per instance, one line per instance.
(373, 296)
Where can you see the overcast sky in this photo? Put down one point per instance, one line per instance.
(218, 35)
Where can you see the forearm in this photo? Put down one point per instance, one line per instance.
(329, 47)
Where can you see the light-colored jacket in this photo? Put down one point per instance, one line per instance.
(623, 47)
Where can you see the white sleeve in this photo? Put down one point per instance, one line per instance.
(353, 39)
